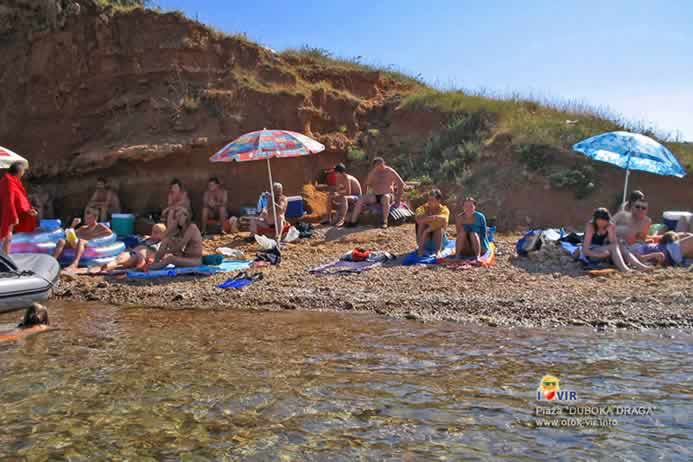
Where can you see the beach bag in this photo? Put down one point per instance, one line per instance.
(265, 243)
(292, 234)
(530, 242)
(305, 230)
(272, 256)
(400, 215)
(212, 260)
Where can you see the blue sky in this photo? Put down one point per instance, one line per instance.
(636, 56)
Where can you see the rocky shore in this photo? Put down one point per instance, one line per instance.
(547, 289)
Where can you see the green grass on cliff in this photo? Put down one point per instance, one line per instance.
(124, 4)
(328, 59)
(559, 123)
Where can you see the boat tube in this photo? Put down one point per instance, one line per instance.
(25, 279)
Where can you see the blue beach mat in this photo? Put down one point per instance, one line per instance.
(429, 258)
(204, 270)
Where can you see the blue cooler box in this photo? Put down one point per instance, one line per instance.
(295, 209)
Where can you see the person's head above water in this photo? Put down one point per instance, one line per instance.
(17, 169)
(435, 198)
(601, 218)
(35, 315)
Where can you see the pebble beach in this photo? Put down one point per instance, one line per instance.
(546, 289)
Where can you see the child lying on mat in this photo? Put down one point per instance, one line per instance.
(141, 256)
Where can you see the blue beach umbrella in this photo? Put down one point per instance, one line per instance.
(631, 151)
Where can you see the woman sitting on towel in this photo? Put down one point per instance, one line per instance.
(601, 244)
(182, 244)
(472, 234)
(35, 320)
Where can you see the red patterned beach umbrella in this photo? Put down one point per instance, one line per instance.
(265, 145)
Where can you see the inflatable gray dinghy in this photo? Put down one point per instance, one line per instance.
(26, 278)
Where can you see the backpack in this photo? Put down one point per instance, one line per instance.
(530, 242)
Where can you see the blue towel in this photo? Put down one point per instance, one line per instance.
(429, 258)
(236, 283)
(226, 267)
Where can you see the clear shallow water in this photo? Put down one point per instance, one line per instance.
(149, 384)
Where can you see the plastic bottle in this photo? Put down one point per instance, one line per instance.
(71, 236)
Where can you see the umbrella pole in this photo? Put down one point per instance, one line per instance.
(274, 206)
(625, 188)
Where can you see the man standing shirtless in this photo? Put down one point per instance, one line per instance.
(214, 204)
(381, 182)
(347, 191)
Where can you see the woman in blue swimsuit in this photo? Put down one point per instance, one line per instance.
(472, 234)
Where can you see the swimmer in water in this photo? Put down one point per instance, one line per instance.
(35, 320)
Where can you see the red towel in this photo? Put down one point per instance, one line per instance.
(14, 207)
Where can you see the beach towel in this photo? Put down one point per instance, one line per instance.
(202, 270)
(240, 280)
(346, 264)
(486, 260)
(429, 258)
(345, 267)
(576, 252)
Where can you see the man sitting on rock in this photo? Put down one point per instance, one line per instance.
(104, 200)
(347, 191)
(431, 224)
(214, 204)
(381, 182)
(92, 229)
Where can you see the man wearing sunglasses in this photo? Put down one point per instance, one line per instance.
(633, 225)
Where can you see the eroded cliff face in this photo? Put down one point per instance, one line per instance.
(142, 97)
